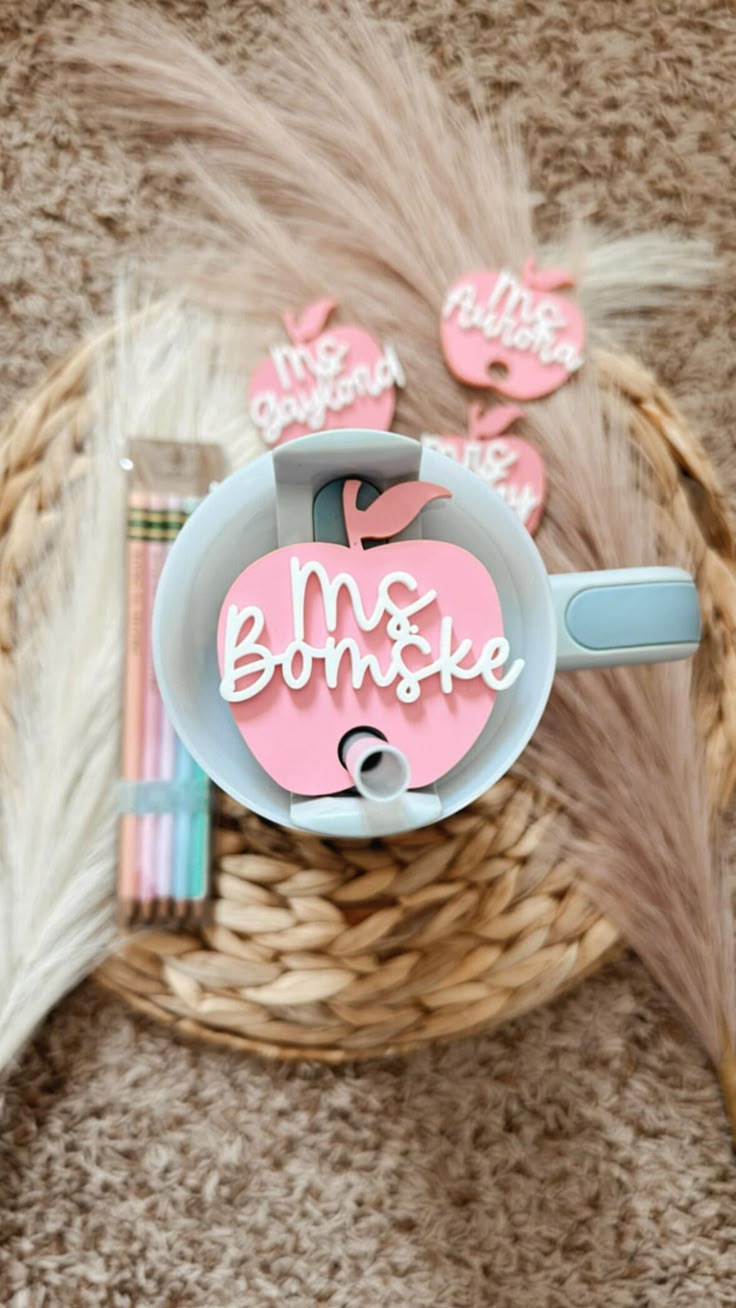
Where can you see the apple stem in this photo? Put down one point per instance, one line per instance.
(351, 513)
(310, 323)
(529, 271)
(394, 509)
(485, 424)
(290, 324)
(475, 414)
(545, 279)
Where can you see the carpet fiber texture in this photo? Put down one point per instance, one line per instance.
(577, 1158)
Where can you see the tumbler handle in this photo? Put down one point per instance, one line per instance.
(625, 615)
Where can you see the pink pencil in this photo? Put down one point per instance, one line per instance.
(152, 715)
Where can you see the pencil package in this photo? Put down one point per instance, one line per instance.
(164, 796)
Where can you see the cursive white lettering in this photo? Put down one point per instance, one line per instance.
(492, 461)
(509, 313)
(317, 382)
(247, 660)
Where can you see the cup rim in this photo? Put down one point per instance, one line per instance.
(213, 517)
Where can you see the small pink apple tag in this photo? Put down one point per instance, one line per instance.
(509, 464)
(323, 379)
(511, 335)
(317, 641)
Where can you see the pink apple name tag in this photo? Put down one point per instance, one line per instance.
(512, 335)
(316, 641)
(323, 379)
(507, 463)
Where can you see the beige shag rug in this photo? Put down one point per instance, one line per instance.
(575, 1159)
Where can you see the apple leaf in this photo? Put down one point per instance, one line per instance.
(311, 322)
(484, 424)
(545, 279)
(390, 512)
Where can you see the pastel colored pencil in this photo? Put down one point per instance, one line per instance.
(128, 872)
(155, 550)
(199, 850)
(163, 877)
(165, 821)
(199, 854)
(164, 843)
(184, 771)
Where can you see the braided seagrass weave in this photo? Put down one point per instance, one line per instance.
(342, 950)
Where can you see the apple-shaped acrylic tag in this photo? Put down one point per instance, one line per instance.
(512, 335)
(323, 378)
(507, 463)
(334, 656)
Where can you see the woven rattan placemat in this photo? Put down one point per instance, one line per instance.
(342, 950)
